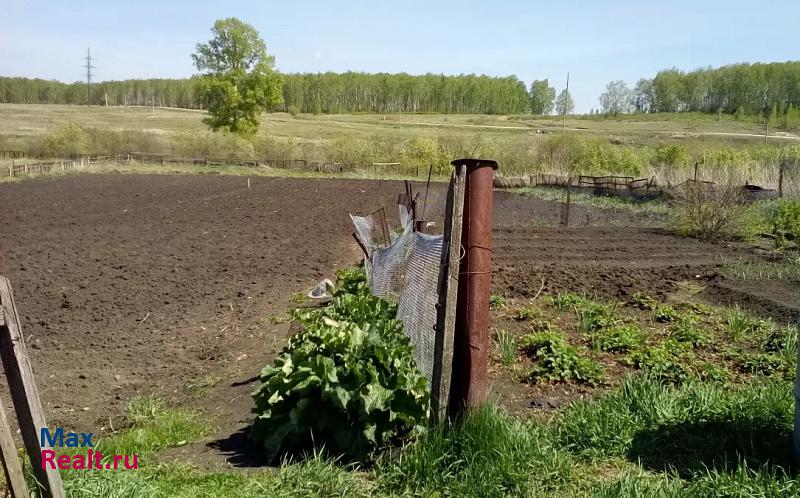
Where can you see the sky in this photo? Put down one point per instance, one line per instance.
(596, 41)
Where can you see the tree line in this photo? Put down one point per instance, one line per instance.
(312, 93)
(771, 90)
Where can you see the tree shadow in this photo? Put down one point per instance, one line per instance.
(690, 448)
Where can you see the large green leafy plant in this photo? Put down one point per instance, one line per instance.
(347, 382)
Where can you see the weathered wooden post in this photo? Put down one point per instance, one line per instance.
(448, 293)
(471, 339)
(27, 405)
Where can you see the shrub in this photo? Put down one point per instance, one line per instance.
(709, 215)
(555, 360)
(671, 155)
(786, 223)
(619, 339)
(218, 146)
(69, 141)
(347, 382)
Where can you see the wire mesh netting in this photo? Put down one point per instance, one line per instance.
(407, 272)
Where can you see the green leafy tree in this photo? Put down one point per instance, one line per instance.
(564, 103)
(542, 97)
(643, 95)
(616, 99)
(238, 81)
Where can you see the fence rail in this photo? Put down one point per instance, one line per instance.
(17, 169)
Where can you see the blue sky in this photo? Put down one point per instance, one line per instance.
(596, 41)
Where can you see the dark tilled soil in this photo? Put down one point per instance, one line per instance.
(137, 284)
(616, 261)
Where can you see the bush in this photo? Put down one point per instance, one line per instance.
(347, 382)
(69, 142)
(555, 360)
(786, 223)
(220, 146)
(671, 155)
(711, 215)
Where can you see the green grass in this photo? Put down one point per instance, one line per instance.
(644, 438)
(496, 302)
(507, 347)
(154, 427)
(416, 140)
(652, 207)
(763, 270)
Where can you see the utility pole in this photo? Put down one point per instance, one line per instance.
(89, 68)
(566, 96)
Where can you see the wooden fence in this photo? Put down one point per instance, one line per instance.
(26, 168)
(283, 163)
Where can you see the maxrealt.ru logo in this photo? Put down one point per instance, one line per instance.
(91, 459)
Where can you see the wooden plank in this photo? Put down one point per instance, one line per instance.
(448, 293)
(15, 477)
(24, 394)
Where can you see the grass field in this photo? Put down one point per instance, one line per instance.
(18, 121)
(662, 146)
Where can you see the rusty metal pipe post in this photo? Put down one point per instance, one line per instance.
(471, 341)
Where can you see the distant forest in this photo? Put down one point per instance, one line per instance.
(749, 89)
(313, 93)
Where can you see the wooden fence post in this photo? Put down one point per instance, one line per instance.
(24, 394)
(15, 477)
(448, 294)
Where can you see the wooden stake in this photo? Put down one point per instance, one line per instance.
(448, 294)
(24, 394)
(15, 478)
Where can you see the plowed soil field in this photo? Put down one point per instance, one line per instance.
(138, 284)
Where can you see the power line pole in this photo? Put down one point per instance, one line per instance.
(89, 68)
